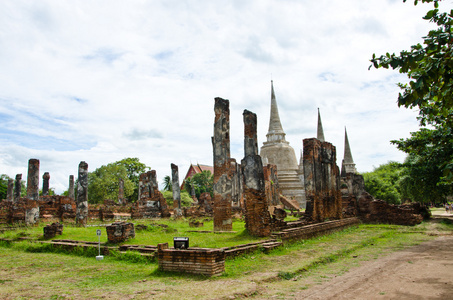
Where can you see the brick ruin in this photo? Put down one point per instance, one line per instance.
(176, 190)
(223, 171)
(31, 205)
(45, 183)
(82, 195)
(119, 232)
(322, 181)
(257, 217)
(151, 202)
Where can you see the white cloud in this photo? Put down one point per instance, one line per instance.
(104, 80)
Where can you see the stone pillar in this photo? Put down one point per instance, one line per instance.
(121, 191)
(33, 179)
(71, 187)
(82, 195)
(32, 206)
(17, 187)
(257, 217)
(10, 190)
(322, 181)
(45, 183)
(222, 166)
(175, 186)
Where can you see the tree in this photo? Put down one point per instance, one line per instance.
(200, 182)
(133, 169)
(3, 186)
(429, 68)
(168, 186)
(383, 182)
(186, 200)
(103, 183)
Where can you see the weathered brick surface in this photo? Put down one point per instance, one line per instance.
(309, 231)
(17, 187)
(378, 211)
(151, 202)
(82, 195)
(257, 217)
(71, 193)
(175, 186)
(51, 230)
(205, 261)
(271, 184)
(32, 207)
(119, 232)
(322, 180)
(45, 183)
(223, 172)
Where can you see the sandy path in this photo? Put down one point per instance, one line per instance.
(420, 272)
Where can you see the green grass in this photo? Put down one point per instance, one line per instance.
(30, 270)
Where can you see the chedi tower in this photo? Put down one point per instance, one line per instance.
(277, 151)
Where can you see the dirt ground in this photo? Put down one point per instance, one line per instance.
(420, 272)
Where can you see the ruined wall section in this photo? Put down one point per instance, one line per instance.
(322, 180)
(82, 195)
(271, 184)
(151, 203)
(32, 206)
(223, 172)
(257, 217)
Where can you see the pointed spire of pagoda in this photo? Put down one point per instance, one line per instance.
(320, 133)
(275, 132)
(347, 150)
(348, 165)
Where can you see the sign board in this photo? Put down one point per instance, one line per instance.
(98, 232)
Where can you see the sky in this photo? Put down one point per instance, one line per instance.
(102, 80)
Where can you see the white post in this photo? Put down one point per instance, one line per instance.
(99, 257)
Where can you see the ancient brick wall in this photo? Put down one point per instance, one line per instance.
(312, 230)
(378, 211)
(119, 232)
(31, 206)
(82, 195)
(205, 261)
(257, 217)
(271, 184)
(223, 172)
(322, 179)
(151, 202)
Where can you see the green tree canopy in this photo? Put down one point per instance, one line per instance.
(133, 170)
(200, 182)
(103, 183)
(429, 68)
(3, 186)
(383, 182)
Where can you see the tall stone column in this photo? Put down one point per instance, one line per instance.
(45, 183)
(175, 186)
(17, 187)
(121, 191)
(257, 217)
(71, 187)
(10, 190)
(322, 181)
(223, 172)
(32, 206)
(82, 195)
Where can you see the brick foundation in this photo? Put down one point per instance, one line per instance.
(204, 261)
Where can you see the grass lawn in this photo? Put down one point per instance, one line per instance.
(28, 275)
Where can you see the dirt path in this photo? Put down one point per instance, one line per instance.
(420, 272)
